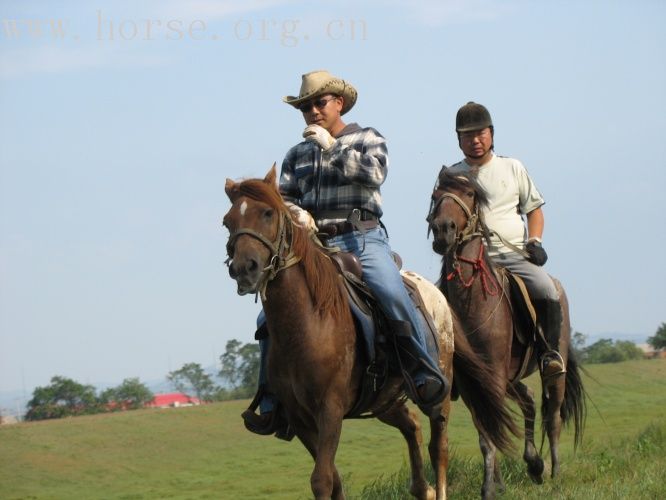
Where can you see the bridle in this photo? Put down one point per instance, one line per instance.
(470, 230)
(473, 229)
(278, 261)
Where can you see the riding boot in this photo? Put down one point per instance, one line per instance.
(549, 316)
(271, 419)
(425, 383)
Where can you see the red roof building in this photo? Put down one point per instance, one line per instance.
(172, 400)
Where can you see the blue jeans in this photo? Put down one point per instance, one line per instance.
(383, 277)
(267, 403)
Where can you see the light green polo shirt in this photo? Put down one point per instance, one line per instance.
(511, 194)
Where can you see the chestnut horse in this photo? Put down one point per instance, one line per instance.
(480, 299)
(313, 363)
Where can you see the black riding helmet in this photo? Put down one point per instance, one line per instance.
(473, 116)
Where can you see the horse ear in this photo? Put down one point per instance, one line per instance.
(231, 188)
(271, 176)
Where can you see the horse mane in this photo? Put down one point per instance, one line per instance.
(321, 275)
(461, 181)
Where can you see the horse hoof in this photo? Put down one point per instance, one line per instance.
(425, 494)
(536, 478)
(535, 471)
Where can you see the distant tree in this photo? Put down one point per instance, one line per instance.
(229, 361)
(191, 377)
(131, 394)
(658, 340)
(578, 342)
(608, 351)
(63, 397)
(602, 351)
(249, 366)
(629, 349)
(240, 368)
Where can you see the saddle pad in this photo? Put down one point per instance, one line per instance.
(431, 338)
(362, 304)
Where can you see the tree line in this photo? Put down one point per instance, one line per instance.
(65, 397)
(614, 351)
(239, 372)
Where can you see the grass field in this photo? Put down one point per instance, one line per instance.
(205, 452)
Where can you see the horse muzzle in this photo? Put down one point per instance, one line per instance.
(445, 234)
(247, 272)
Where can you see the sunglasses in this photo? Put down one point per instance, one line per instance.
(319, 104)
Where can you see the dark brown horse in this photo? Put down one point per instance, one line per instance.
(313, 365)
(479, 297)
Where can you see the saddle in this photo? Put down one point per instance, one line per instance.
(380, 354)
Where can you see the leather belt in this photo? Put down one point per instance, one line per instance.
(344, 227)
(344, 214)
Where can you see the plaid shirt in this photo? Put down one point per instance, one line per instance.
(345, 177)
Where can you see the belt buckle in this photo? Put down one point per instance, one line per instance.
(354, 216)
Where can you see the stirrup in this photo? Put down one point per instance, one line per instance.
(435, 397)
(263, 424)
(552, 366)
(273, 422)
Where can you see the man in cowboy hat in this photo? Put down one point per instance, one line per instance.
(336, 174)
(513, 244)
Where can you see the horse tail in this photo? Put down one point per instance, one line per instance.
(573, 407)
(482, 393)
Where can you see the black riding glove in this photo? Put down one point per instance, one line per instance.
(537, 255)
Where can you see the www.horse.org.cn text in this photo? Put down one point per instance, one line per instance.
(286, 32)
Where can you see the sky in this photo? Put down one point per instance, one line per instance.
(122, 120)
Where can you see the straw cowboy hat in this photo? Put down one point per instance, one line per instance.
(321, 82)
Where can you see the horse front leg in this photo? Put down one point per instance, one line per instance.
(308, 435)
(325, 480)
(407, 422)
(553, 422)
(524, 396)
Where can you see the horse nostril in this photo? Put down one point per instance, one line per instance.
(252, 265)
(450, 225)
(233, 272)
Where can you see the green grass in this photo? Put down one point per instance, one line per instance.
(205, 452)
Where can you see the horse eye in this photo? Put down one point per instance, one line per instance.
(268, 213)
(470, 194)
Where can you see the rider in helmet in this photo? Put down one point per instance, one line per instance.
(514, 245)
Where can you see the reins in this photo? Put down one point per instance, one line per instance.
(277, 248)
(480, 267)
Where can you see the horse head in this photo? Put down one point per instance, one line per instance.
(454, 214)
(258, 223)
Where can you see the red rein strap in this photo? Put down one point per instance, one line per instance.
(490, 285)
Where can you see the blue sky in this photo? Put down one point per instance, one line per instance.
(119, 129)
